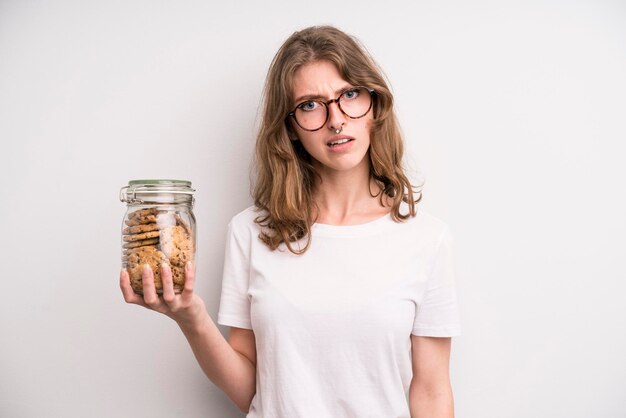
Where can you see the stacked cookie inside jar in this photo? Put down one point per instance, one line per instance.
(158, 228)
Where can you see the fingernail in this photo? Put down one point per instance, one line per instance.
(146, 268)
(188, 265)
(164, 265)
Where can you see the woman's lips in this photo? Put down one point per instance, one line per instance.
(340, 143)
(338, 138)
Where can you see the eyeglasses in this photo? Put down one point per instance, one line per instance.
(312, 115)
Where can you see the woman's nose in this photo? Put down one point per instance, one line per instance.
(336, 118)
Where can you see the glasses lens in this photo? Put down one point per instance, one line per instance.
(355, 102)
(311, 115)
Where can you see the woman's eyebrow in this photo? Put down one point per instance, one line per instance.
(321, 96)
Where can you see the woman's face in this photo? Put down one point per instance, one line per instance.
(320, 80)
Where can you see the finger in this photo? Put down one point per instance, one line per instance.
(168, 284)
(149, 290)
(129, 294)
(190, 279)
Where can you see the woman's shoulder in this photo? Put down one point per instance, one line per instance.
(246, 218)
(428, 223)
(428, 218)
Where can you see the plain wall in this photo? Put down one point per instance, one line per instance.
(513, 113)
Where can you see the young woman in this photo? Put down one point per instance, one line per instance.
(339, 293)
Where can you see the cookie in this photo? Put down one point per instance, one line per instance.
(141, 236)
(177, 245)
(138, 229)
(142, 213)
(178, 278)
(128, 251)
(161, 218)
(180, 257)
(141, 243)
(141, 220)
(145, 255)
(135, 264)
(175, 235)
(181, 222)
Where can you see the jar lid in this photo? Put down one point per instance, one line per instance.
(159, 182)
(156, 191)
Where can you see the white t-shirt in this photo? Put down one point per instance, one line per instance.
(333, 326)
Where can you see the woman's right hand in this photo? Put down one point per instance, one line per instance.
(229, 368)
(186, 308)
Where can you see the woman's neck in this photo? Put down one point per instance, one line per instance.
(347, 198)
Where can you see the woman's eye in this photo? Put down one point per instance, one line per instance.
(351, 94)
(308, 106)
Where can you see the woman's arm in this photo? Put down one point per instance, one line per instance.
(227, 364)
(230, 366)
(430, 393)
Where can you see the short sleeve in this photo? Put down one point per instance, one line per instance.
(438, 315)
(234, 303)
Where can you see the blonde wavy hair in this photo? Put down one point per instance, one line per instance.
(285, 175)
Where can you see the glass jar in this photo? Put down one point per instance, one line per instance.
(159, 227)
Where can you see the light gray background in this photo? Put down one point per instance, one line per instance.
(514, 113)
